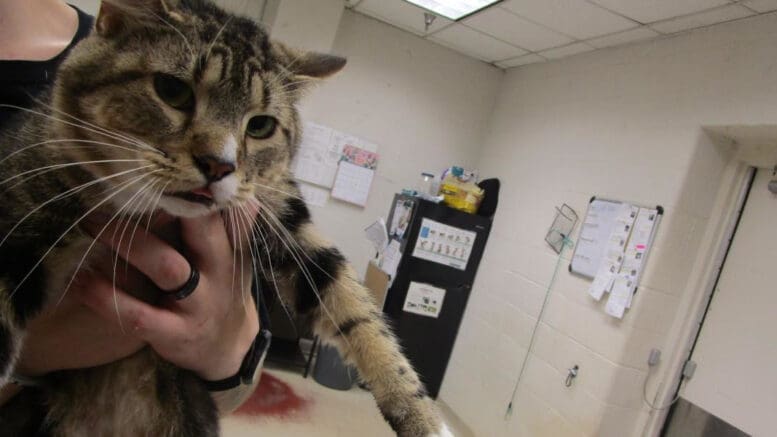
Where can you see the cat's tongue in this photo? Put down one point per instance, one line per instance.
(204, 191)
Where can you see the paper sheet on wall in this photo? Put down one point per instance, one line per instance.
(391, 258)
(378, 235)
(424, 299)
(604, 278)
(595, 231)
(444, 244)
(317, 157)
(314, 195)
(353, 183)
(620, 296)
(320, 151)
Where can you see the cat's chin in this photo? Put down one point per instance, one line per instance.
(183, 208)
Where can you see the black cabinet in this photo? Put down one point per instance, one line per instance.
(428, 340)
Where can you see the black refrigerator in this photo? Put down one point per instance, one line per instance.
(440, 251)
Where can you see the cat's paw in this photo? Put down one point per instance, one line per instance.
(444, 432)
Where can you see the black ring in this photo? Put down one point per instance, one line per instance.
(188, 287)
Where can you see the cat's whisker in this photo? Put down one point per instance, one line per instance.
(308, 278)
(138, 219)
(89, 249)
(156, 204)
(42, 114)
(284, 305)
(118, 190)
(113, 132)
(65, 194)
(178, 31)
(49, 168)
(234, 250)
(286, 193)
(212, 43)
(293, 241)
(240, 251)
(126, 208)
(250, 239)
(43, 143)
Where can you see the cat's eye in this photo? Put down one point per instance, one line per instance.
(174, 91)
(261, 127)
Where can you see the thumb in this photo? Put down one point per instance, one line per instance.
(203, 237)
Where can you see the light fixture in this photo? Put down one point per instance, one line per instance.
(454, 9)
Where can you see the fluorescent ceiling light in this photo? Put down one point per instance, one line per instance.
(454, 9)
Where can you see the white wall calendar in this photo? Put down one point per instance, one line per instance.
(320, 151)
(612, 249)
(354, 175)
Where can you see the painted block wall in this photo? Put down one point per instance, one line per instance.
(426, 107)
(624, 123)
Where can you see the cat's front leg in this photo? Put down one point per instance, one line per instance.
(345, 315)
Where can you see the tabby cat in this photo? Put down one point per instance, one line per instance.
(165, 99)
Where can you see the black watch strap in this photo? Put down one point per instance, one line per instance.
(252, 361)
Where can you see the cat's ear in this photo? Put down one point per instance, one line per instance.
(117, 16)
(308, 65)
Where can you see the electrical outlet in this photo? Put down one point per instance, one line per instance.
(654, 358)
(689, 369)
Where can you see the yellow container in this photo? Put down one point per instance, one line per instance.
(464, 196)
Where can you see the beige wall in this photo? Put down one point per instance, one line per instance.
(425, 106)
(622, 123)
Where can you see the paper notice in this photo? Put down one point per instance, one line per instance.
(620, 296)
(391, 258)
(352, 183)
(378, 235)
(443, 244)
(424, 299)
(604, 279)
(313, 195)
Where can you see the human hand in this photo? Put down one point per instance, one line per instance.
(208, 332)
(70, 335)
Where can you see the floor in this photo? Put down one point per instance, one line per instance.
(286, 404)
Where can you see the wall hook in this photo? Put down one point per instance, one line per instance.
(571, 375)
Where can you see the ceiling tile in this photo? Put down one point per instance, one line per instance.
(511, 28)
(531, 58)
(401, 14)
(616, 39)
(475, 44)
(567, 50)
(576, 18)
(718, 15)
(648, 11)
(761, 5)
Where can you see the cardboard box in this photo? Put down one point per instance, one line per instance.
(377, 281)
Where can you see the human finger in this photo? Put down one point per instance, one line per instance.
(142, 319)
(153, 257)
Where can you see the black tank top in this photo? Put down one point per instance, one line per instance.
(21, 81)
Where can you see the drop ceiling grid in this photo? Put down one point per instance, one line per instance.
(518, 32)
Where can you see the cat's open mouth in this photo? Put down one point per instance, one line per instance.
(202, 196)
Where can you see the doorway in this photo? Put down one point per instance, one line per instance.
(734, 389)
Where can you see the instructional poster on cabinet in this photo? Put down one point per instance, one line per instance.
(424, 299)
(444, 244)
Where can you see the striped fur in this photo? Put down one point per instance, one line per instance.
(110, 133)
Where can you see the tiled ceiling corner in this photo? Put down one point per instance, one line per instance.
(520, 32)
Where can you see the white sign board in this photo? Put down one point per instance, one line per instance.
(423, 299)
(443, 244)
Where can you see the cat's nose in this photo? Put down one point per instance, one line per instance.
(214, 168)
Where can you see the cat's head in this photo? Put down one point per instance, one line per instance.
(201, 98)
